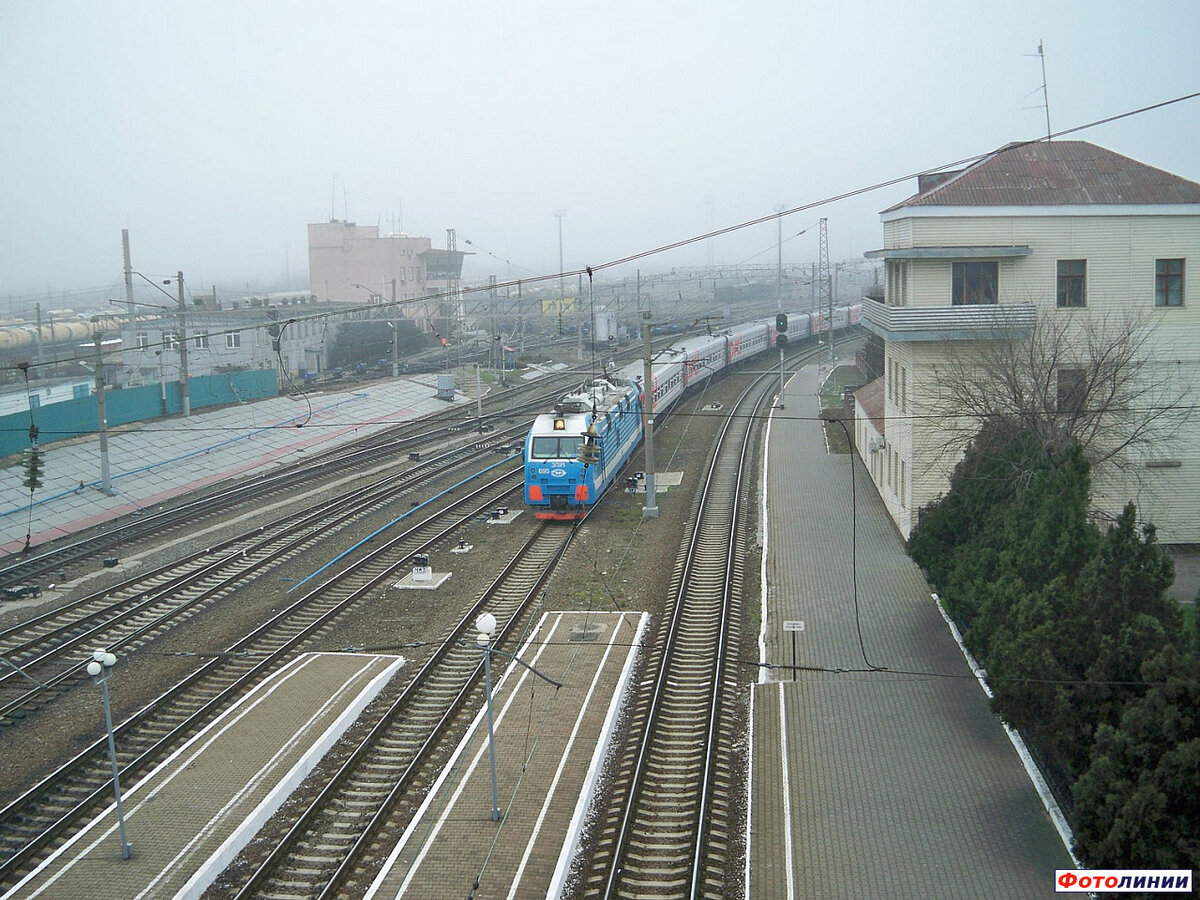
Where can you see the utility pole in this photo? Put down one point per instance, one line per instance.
(38, 340)
(455, 286)
(395, 334)
(779, 261)
(128, 278)
(478, 401)
(650, 511)
(185, 398)
(102, 417)
(562, 291)
(495, 335)
(520, 318)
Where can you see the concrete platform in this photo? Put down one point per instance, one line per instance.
(869, 783)
(161, 458)
(189, 817)
(550, 746)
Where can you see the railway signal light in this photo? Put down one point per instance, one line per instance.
(33, 468)
(781, 322)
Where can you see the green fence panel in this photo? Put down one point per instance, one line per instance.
(72, 418)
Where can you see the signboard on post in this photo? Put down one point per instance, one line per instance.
(794, 627)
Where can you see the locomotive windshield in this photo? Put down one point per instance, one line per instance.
(554, 447)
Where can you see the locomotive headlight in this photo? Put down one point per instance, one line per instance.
(560, 424)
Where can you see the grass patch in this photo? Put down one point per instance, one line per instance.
(839, 379)
(832, 394)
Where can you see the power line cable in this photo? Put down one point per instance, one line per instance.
(879, 185)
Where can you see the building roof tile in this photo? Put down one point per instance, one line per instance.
(1052, 173)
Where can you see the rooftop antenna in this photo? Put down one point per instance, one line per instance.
(1045, 94)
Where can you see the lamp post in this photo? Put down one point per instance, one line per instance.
(100, 668)
(185, 401)
(185, 398)
(395, 349)
(102, 418)
(486, 626)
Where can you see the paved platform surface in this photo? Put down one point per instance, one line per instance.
(896, 783)
(189, 817)
(550, 744)
(161, 458)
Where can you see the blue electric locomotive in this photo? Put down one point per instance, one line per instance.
(607, 417)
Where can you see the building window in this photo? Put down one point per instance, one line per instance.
(233, 340)
(1072, 391)
(1168, 282)
(897, 282)
(143, 340)
(200, 341)
(171, 339)
(975, 283)
(1070, 287)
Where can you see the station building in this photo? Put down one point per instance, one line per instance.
(1051, 237)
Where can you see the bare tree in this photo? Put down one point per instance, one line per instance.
(1097, 380)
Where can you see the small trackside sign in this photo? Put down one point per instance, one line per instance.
(793, 625)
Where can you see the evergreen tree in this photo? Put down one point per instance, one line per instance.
(1135, 806)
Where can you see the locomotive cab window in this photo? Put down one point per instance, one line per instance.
(554, 447)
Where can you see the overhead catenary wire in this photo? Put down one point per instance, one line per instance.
(750, 223)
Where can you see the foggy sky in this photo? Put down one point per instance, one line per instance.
(216, 131)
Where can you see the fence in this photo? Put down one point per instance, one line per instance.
(79, 416)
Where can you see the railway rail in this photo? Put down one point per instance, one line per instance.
(39, 651)
(194, 511)
(330, 849)
(36, 820)
(669, 827)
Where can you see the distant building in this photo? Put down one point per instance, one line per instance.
(289, 332)
(350, 263)
(1043, 233)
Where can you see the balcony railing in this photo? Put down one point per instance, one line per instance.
(949, 323)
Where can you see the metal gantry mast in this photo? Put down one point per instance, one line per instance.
(825, 287)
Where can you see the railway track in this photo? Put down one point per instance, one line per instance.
(40, 817)
(43, 652)
(670, 827)
(655, 836)
(334, 846)
(195, 511)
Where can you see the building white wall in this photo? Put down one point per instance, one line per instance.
(1120, 250)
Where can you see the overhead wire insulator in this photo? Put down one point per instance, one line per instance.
(33, 468)
(589, 450)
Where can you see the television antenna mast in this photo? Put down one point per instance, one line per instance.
(1041, 53)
